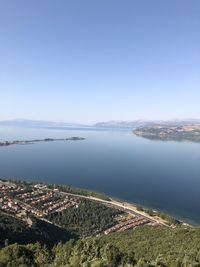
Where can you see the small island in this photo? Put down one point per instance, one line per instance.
(170, 132)
(27, 142)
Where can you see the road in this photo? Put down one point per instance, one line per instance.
(126, 207)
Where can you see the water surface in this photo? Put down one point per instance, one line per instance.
(157, 174)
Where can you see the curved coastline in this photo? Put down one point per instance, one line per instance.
(156, 216)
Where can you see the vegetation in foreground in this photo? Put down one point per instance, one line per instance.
(72, 237)
(143, 247)
(14, 230)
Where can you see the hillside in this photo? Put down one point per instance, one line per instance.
(13, 230)
(45, 225)
(134, 124)
(144, 247)
(37, 123)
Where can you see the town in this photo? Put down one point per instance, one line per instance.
(40, 200)
(37, 200)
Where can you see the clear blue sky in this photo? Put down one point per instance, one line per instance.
(96, 60)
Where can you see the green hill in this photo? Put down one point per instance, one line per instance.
(13, 230)
(145, 247)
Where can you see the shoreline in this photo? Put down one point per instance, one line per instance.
(183, 220)
(135, 206)
(130, 208)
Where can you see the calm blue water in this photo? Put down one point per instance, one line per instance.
(161, 175)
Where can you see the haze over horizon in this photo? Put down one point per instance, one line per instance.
(85, 62)
(108, 123)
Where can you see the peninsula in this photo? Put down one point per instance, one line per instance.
(26, 142)
(189, 132)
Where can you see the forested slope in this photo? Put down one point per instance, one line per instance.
(13, 230)
(145, 247)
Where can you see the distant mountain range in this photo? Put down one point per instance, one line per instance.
(143, 123)
(109, 124)
(37, 123)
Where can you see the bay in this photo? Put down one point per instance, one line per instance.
(161, 175)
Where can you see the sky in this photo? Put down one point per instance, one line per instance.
(99, 60)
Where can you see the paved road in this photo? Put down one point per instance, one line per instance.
(122, 206)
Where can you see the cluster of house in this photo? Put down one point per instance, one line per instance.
(18, 208)
(48, 200)
(9, 204)
(128, 224)
(7, 187)
(59, 205)
(37, 200)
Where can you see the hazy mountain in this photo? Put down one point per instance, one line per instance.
(143, 123)
(121, 124)
(37, 123)
(109, 124)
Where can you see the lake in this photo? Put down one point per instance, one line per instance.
(156, 174)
